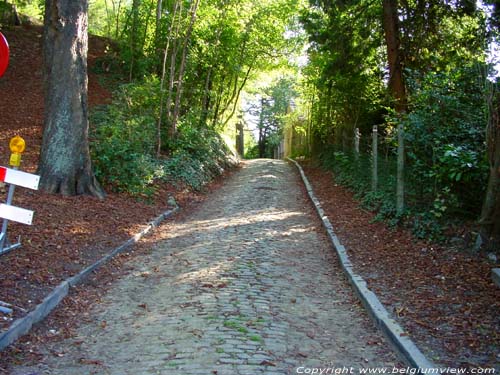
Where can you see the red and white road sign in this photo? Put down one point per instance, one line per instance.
(4, 54)
(15, 177)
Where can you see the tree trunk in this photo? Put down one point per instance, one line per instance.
(173, 66)
(237, 95)
(490, 214)
(218, 101)
(108, 19)
(262, 139)
(207, 96)
(240, 139)
(396, 87)
(65, 165)
(133, 36)
(162, 82)
(117, 18)
(182, 68)
(159, 11)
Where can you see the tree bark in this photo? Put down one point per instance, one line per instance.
(173, 65)
(490, 214)
(237, 94)
(396, 87)
(133, 36)
(65, 165)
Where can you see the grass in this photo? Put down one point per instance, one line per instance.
(256, 338)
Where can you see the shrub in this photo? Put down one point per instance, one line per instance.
(123, 139)
(446, 169)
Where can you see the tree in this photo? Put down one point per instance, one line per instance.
(275, 103)
(396, 86)
(182, 68)
(65, 165)
(490, 214)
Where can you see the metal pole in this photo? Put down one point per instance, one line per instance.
(3, 235)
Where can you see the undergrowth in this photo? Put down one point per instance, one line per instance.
(123, 139)
(428, 216)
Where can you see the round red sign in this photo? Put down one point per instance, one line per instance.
(4, 54)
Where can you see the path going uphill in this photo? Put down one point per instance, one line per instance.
(247, 284)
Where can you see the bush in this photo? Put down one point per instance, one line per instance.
(198, 155)
(446, 169)
(123, 142)
(446, 143)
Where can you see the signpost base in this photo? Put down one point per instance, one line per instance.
(6, 246)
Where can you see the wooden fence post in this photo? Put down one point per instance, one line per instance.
(400, 180)
(374, 158)
(357, 136)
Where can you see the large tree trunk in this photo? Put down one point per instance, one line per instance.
(490, 214)
(396, 86)
(65, 165)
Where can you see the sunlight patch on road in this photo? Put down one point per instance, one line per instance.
(191, 228)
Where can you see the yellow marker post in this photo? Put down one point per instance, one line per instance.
(17, 146)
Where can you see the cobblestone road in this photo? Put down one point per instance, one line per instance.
(246, 285)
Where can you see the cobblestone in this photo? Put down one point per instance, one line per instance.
(246, 285)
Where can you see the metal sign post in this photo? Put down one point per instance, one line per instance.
(14, 178)
(5, 246)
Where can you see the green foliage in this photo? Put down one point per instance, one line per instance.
(252, 152)
(122, 139)
(271, 104)
(123, 145)
(30, 8)
(443, 49)
(446, 170)
(198, 155)
(445, 141)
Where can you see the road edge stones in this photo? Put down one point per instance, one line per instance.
(392, 330)
(23, 325)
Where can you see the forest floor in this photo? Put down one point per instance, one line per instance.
(444, 297)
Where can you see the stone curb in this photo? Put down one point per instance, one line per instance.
(23, 325)
(397, 336)
(495, 276)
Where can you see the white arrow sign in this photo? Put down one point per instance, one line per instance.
(18, 178)
(18, 214)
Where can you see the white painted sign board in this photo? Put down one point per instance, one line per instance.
(18, 178)
(17, 214)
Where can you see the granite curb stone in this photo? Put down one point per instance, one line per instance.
(23, 325)
(397, 336)
(495, 276)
